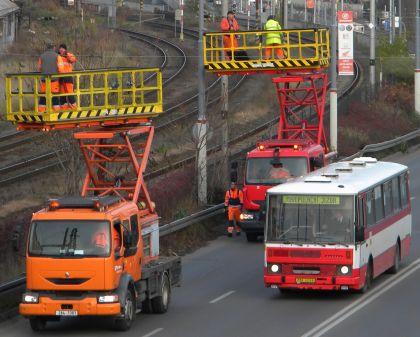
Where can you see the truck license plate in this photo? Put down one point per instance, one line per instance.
(66, 313)
(304, 280)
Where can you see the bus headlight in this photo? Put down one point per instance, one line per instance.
(274, 268)
(30, 298)
(343, 270)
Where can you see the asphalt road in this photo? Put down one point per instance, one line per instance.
(223, 295)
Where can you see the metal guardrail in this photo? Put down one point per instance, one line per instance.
(189, 220)
(12, 284)
(384, 145)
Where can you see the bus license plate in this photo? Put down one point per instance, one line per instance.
(301, 280)
(66, 313)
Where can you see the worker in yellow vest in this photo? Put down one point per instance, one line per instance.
(273, 40)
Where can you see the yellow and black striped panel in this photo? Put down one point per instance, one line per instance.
(86, 115)
(266, 65)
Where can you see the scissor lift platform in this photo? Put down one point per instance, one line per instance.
(304, 50)
(103, 97)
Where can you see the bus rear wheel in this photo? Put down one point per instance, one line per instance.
(397, 258)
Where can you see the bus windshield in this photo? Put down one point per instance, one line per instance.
(262, 171)
(318, 219)
(69, 238)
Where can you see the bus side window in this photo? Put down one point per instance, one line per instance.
(396, 194)
(379, 203)
(360, 228)
(403, 190)
(370, 209)
(387, 189)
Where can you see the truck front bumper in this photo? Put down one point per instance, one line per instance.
(252, 226)
(87, 306)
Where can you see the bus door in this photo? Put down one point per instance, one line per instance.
(362, 241)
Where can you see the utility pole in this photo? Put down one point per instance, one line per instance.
(285, 14)
(201, 121)
(400, 15)
(417, 73)
(333, 76)
(181, 35)
(372, 26)
(225, 115)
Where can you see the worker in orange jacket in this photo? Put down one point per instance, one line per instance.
(229, 24)
(49, 63)
(66, 83)
(234, 200)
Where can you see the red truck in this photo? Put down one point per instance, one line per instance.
(300, 147)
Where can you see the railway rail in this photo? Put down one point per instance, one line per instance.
(45, 162)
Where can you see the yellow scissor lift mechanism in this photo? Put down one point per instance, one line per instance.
(304, 50)
(103, 97)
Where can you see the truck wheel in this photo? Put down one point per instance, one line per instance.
(251, 237)
(129, 313)
(37, 323)
(160, 303)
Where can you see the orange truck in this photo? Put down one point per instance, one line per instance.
(97, 254)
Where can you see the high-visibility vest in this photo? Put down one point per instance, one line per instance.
(234, 197)
(272, 38)
(68, 62)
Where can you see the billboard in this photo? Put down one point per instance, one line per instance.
(345, 43)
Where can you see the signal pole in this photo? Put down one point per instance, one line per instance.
(417, 73)
(372, 26)
(333, 76)
(201, 121)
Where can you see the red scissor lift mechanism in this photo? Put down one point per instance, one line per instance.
(115, 163)
(296, 90)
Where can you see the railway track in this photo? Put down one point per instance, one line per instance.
(37, 164)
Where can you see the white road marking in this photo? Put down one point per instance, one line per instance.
(154, 332)
(412, 198)
(346, 312)
(222, 297)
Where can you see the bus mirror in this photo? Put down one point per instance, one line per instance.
(317, 161)
(117, 254)
(360, 234)
(234, 171)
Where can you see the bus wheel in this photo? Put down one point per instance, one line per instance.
(397, 258)
(37, 323)
(129, 313)
(368, 279)
(160, 303)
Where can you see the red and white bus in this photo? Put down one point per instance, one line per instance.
(338, 227)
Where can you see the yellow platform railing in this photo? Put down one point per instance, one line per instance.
(100, 95)
(302, 49)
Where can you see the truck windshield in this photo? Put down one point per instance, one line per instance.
(72, 238)
(318, 219)
(261, 171)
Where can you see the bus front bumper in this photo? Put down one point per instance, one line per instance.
(312, 282)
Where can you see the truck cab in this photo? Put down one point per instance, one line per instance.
(95, 256)
(296, 157)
